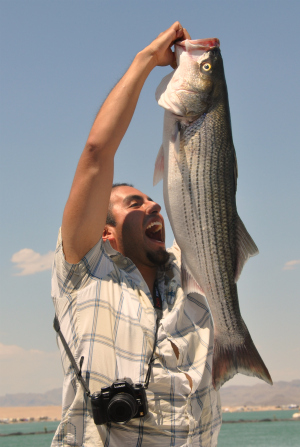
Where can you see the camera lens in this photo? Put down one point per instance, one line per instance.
(122, 408)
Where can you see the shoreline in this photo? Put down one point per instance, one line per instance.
(249, 408)
(12, 415)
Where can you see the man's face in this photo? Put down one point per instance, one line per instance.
(140, 232)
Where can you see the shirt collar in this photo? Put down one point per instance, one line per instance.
(165, 271)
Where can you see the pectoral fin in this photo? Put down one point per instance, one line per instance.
(159, 166)
(246, 248)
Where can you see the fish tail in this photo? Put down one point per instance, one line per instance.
(231, 359)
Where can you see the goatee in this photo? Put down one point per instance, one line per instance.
(158, 257)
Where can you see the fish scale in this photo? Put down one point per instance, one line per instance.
(198, 165)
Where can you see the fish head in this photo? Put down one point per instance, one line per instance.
(197, 82)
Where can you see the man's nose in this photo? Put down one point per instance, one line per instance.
(153, 208)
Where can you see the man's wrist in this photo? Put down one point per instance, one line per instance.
(146, 59)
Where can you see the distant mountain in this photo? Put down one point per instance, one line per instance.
(52, 397)
(281, 393)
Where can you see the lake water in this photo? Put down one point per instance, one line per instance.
(247, 434)
(260, 434)
(37, 440)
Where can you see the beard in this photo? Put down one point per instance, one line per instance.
(158, 258)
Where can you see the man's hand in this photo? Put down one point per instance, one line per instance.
(160, 48)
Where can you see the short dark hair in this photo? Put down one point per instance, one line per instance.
(110, 220)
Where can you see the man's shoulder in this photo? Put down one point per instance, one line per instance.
(68, 276)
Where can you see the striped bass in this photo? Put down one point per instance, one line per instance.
(197, 162)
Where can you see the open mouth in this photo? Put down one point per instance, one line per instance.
(154, 231)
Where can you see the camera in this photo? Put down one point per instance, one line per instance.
(120, 402)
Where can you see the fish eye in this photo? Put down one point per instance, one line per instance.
(206, 66)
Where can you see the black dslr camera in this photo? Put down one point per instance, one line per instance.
(119, 402)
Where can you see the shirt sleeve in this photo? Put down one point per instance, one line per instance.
(68, 277)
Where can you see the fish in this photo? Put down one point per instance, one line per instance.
(198, 165)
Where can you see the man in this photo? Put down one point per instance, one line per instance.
(118, 296)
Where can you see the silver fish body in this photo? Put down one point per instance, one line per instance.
(198, 164)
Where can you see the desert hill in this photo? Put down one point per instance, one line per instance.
(281, 393)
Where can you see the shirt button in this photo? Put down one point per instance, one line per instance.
(125, 261)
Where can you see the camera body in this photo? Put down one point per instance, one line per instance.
(120, 402)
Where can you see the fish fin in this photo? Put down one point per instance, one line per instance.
(159, 166)
(171, 135)
(235, 169)
(188, 282)
(174, 139)
(231, 359)
(246, 248)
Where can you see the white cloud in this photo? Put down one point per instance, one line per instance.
(291, 265)
(31, 262)
(28, 371)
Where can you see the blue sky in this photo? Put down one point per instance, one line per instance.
(59, 60)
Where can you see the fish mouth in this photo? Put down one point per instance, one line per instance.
(199, 44)
(154, 231)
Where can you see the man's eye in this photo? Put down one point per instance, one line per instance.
(134, 204)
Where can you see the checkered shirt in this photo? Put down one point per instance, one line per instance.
(106, 314)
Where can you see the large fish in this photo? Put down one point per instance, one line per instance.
(198, 165)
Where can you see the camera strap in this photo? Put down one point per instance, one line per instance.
(56, 325)
(158, 306)
(157, 298)
(77, 371)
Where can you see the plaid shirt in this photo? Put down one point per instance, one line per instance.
(106, 314)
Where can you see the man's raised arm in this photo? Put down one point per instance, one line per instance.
(86, 209)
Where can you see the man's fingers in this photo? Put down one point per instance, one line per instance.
(186, 34)
(173, 63)
(176, 26)
(181, 34)
(163, 43)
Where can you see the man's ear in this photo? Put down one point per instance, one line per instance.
(108, 235)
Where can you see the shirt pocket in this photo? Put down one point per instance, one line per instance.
(71, 428)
